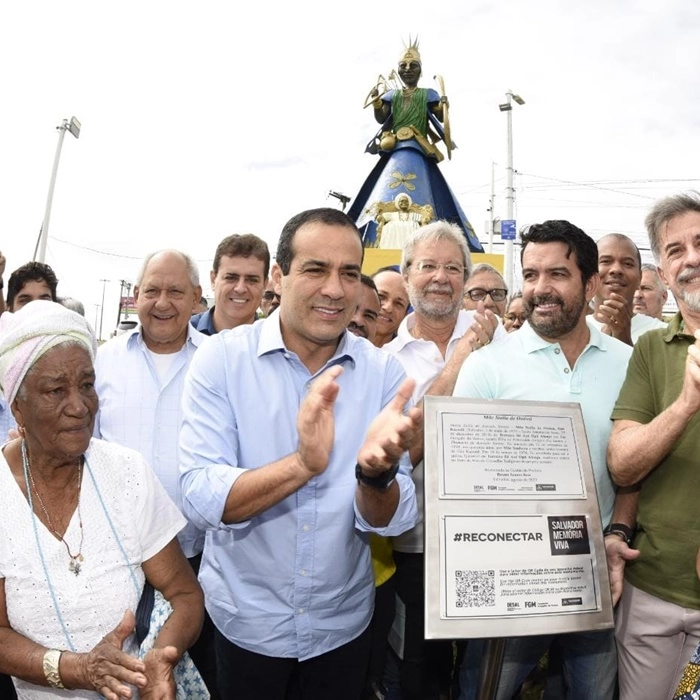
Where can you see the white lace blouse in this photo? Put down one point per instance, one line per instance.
(121, 499)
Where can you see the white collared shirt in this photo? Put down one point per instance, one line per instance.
(423, 361)
(640, 325)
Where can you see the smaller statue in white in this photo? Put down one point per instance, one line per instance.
(398, 219)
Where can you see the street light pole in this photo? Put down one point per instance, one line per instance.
(507, 107)
(74, 127)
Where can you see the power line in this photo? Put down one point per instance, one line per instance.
(113, 255)
(590, 185)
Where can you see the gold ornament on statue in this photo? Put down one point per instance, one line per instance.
(388, 141)
(410, 52)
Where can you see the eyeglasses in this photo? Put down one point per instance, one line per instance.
(515, 317)
(479, 294)
(429, 267)
(271, 296)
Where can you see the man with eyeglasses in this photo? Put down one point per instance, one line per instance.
(241, 266)
(270, 299)
(486, 284)
(431, 344)
(514, 317)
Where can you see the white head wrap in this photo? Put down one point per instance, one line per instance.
(28, 333)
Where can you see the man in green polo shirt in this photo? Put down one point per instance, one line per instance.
(654, 443)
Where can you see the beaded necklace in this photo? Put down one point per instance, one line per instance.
(75, 559)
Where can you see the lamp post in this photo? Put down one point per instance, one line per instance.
(507, 107)
(74, 127)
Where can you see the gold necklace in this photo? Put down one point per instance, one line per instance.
(76, 560)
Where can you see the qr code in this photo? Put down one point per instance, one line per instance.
(475, 588)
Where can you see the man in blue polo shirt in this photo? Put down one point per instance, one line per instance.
(557, 356)
(240, 269)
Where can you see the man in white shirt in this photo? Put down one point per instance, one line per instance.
(139, 379)
(651, 295)
(620, 270)
(431, 344)
(394, 304)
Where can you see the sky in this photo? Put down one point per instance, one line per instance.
(202, 120)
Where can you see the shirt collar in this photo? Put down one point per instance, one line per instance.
(404, 336)
(205, 322)
(194, 337)
(676, 329)
(532, 341)
(271, 341)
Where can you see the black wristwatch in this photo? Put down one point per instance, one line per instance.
(381, 482)
(621, 530)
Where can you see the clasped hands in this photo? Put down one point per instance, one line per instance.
(387, 437)
(615, 313)
(481, 331)
(110, 671)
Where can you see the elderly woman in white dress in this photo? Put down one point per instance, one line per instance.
(83, 523)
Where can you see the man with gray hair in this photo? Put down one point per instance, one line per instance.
(431, 344)
(73, 304)
(651, 295)
(139, 379)
(486, 284)
(654, 444)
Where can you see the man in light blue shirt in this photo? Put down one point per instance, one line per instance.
(286, 567)
(7, 421)
(556, 356)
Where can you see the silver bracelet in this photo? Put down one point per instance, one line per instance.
(50, 665)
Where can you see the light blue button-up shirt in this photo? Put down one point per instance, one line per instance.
(137, 410)
(294, 581)
(7, 420)
(526, 367)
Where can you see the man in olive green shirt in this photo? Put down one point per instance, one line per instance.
(654, 443)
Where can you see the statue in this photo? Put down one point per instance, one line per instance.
(414, 120)
(410, 112)
(398, 219)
